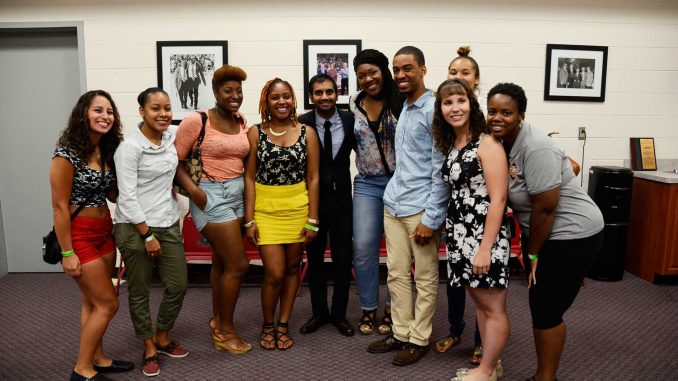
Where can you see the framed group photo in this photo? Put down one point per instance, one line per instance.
(334, 58)
(185, 70)
(575, 73)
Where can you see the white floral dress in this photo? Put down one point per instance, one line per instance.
(465, 222)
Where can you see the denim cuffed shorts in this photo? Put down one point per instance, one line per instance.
(225, 202)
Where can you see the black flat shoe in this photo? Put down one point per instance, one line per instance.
(117, 366)
(313, 324)
(97, 377)
(344, 327)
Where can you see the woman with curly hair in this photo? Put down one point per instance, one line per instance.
(281, 203)
(81, 178)
(217, 202)
(376, 107)
(476, 227)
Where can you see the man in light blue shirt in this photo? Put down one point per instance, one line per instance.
(414, 203)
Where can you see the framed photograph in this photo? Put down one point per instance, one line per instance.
(334, 58)
(185, 70)
(575, 73)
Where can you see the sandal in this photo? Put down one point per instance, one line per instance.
(444, 345)
(366, 324)
(267, 340)
(477, 355)
(283, 337)
(222, 344)
(386, 323)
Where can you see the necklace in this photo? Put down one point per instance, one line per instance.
(276, 133)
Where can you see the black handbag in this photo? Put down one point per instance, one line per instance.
(51, 250)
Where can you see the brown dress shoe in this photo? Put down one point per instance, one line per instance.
(410, 354)
(387, 344)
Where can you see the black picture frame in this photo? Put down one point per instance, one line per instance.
(330, 53)
(583, 77)
(177, 61)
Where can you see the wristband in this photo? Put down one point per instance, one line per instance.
(249, 224)
(150, 238)
(533, 257)
(311, 227)
(148, 234)
(68, 253)
(313, 221)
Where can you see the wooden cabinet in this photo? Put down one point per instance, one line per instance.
(652, 246)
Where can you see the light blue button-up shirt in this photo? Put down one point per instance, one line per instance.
(337, 131)
(417, 183)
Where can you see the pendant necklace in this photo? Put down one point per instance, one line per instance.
(276, 133)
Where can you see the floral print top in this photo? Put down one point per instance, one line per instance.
(277, 165)
(465, 223)
(368, 155)
(86, 180)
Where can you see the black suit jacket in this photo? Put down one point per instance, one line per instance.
(339, 168)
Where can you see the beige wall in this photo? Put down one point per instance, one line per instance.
(508, 41)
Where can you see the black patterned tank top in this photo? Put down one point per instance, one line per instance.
(278, 165)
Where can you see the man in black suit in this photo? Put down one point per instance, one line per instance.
(335, 131)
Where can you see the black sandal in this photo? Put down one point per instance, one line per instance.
(386, 323)
(366, 324)
(268, 337)
(283, 337)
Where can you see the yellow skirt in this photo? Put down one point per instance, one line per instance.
(281, 212)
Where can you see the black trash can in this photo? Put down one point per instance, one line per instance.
(610, 189)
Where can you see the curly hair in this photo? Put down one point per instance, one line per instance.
(443, 133)
(512, 90)
(393, 100)
(263, 101)
(78, 136)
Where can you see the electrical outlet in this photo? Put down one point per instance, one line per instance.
(582, 133)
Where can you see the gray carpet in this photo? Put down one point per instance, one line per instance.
(624, 330)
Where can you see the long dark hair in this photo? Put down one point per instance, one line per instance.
(393, 101)
(443, 133)
(78, 137)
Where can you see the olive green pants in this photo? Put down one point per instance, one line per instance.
(172, 271)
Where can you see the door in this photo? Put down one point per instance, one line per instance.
(40, 77)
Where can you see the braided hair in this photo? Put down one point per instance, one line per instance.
(393, 101)
(263, 101)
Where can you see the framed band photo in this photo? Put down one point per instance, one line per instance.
(185, 70)
(575, 73)
(334, 58)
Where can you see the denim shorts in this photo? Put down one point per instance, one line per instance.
(225, 202)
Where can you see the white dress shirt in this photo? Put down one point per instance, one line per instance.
(145, 173)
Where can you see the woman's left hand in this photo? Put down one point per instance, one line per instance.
(532, 278)
(308, 234)
(481, 263)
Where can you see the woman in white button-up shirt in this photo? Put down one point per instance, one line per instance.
(147, 225)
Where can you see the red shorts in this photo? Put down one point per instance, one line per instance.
(92, 237)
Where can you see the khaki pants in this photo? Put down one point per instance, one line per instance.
(172, 270)
(412, 319)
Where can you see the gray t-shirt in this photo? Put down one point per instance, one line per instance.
(537, 165)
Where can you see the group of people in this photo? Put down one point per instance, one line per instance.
(335, 67)
(430, 165)
(189, 72)
(571, 76)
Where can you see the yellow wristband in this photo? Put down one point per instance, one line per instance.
(149, 238)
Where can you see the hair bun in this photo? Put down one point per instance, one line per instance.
(463, 51)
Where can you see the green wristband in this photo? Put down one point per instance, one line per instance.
(533, 256)
(149, 238)
(67, 253)
(311, 227)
